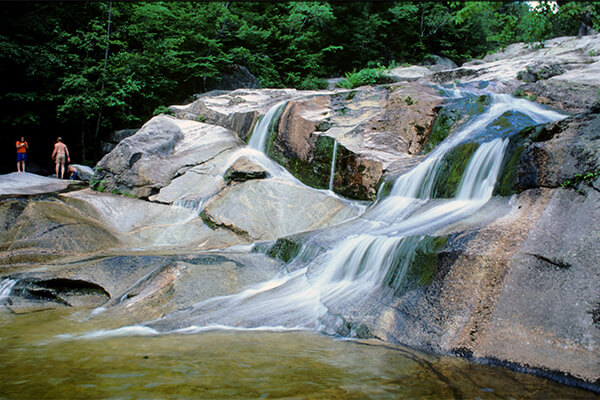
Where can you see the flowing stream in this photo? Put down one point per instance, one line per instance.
(244, 352)
(378, 252)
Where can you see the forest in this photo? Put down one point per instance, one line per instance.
(82, 70)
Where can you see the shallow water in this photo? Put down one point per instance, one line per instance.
(37, 363)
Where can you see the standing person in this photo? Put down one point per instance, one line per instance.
(22, 147)
(60, 155)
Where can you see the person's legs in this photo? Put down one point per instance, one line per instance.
(62, 170)
(57, 167)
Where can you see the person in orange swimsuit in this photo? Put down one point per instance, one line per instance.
(60, 155)
(22, 147)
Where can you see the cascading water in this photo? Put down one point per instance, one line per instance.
(5, 287)
(255, 151)
(393, 231)
(259, 137)
(335, 145)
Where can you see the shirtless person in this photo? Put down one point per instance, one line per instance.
(60, 155)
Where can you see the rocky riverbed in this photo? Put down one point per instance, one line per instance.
(184, 211)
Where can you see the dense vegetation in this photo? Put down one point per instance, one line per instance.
(84, 69)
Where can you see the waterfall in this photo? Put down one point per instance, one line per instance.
(335, 144)
(386, 244)
(255, 151)
(5, 287)
(262, 129)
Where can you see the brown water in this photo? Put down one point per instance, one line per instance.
(36, 364)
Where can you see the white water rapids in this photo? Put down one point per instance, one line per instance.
(383, 243)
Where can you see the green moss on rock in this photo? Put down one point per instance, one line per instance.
(415, 263)
(452, 169)
(314, 172)
(452, 116)
(284, 249)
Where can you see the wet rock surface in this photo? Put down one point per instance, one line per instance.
(143, 286)
(530, 275)
(564, 73)
(553, 154)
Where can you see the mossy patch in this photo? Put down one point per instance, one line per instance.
(385, 188)
(316, 171)
(513, 176)
(444, 122)
(451, 170)
(453, 116)
(508, 174)
(284, 249)
(415, 263)
(272, 129)
(205, 218)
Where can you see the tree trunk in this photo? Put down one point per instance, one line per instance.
(103, 78)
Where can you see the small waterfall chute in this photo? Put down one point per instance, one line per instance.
(264, 126)
(332, 172)
(5, 288)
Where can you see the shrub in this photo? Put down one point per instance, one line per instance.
(98, 185)
(587, 178)
(162, 110)
(367, 76)
(312, 82)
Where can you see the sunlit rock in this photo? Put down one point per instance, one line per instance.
(269, 208)
(161, 150)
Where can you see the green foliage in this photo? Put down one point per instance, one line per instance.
(312, 82)
(98, 185)
(163, 110)
(367, 76)
(586, 178)
(68, 74)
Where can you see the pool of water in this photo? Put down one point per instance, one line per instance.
(37, 361)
